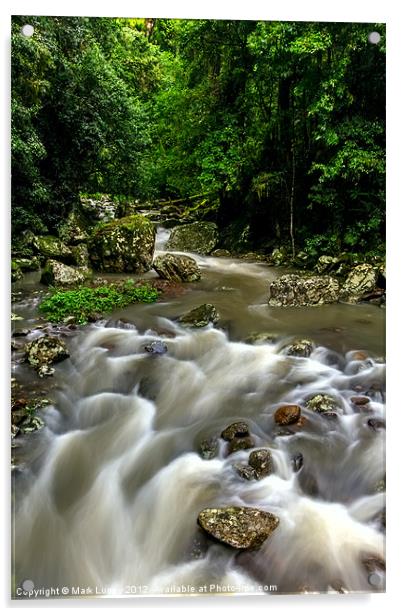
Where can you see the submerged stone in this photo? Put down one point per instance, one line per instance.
(200, 316)
(245, 471)
(177, 268)
(239, 527)
(208, 448)
(200, 237)
(158, 347)
(261, 461)
(261, 338)
(288, 414)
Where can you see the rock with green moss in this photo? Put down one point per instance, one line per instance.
(53, 248)
(295, 290)
(199, 237)
(327, 264)
(177, 268)
(123, 245)
(61, 275)
(16, 273)
(239, 527)
(75, 229)
(44, 351)
(200, 316)
(81, 255)
(279, 256)
(27, 264)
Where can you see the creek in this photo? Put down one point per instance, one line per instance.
(107, 494)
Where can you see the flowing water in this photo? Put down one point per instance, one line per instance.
(111, 488)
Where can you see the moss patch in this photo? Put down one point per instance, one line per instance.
(85, 302)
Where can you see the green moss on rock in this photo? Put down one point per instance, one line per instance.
(123, 245)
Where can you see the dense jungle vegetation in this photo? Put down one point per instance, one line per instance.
(279, 125)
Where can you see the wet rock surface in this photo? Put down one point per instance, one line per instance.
(322, 403)
(261, 461)
(200, 317)
(360, 281)
(59, 274)
(158, 347)
(295, 290)
(199, 237)
(208, 448)
(177, 268)
(300, 348)
(287, 414)
(237, 429)
(45, 351)
(239, 527)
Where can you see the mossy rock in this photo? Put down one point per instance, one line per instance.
(123, 245)
(199, 237)
(61, 275)
(177, 268)
(16, 273)
(53, 248)
(75, 229)
(27, 264)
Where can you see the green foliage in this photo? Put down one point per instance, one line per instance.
(285, 121)
(83, 302)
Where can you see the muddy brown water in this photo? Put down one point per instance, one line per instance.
(108, 492)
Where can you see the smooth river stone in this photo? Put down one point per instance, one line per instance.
(288, 414)
(240, 527)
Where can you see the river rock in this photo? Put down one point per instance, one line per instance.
(208, 448)
(200, 316)
(45, 350)
(102, 208)
(53, 248)
(239, 443)
(59, 274)
(245, 471)
(123, 245)
(261, 461)
(322, 403)
(295, 290)
(220, 252)
(361, 280)
(74, 230)
(237, 429)
(177, 268)
(200, 237)
(30, 264)
(258, 338)
(360, 400)
(157, 347)
(288, 414)
(301, 348)
(239, 527)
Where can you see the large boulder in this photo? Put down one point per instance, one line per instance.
(239, 527)
(200, 316)
(81, 255)
(123, 245)
(61, 275)
(294, 290)
(361, 280)
(177, 268)
(44, 351)
(200, 237)
(53, 248)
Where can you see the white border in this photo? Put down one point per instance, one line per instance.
(305, 10)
